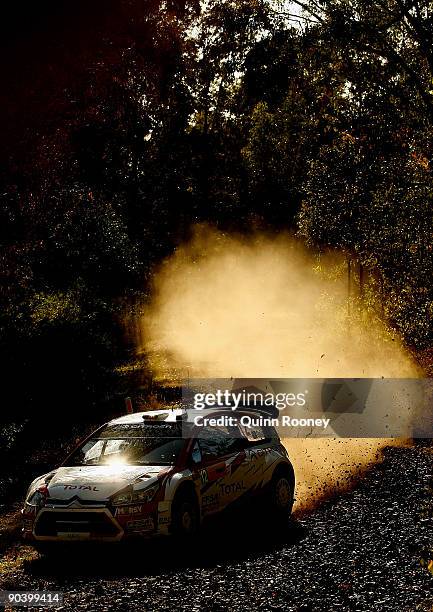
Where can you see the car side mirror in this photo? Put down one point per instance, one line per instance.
(196, 456)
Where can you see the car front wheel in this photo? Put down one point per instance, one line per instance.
(185, 519)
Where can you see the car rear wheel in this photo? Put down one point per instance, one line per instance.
(185, 518)
(281, 497)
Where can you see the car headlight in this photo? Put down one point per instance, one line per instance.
(133, 497)
(37, 499)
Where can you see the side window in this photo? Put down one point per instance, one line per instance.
(217, 442)
(257, 434)
(209, 448)
(253, 433)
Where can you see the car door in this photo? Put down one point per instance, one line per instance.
(214, 454)
(260, 457)
(251, 468)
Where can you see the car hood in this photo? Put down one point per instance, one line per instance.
(99, 482)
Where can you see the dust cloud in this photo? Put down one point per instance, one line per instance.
(263, 306)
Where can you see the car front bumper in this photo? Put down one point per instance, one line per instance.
(60, 524)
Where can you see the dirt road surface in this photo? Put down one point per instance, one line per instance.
(367, 550)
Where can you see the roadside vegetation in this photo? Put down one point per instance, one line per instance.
(244, 114)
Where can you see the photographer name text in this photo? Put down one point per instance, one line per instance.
(259, 421)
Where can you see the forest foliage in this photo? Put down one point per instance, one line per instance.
(311, 117)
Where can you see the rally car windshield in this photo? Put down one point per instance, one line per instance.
(126, 445)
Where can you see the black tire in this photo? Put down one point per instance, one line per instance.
(280, 497)
(185, 516)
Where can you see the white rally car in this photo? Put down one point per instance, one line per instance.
(139, 475)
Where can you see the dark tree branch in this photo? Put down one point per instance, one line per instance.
(292, 16)
(307, 9)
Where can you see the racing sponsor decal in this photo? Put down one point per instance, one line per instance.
(210, 502)
(129, 510)
(164, 506)
(204, 477)
(146, 524)
(234, 487)
(76, 487)
(256, 453)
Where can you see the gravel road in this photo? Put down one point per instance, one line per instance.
(361, 551)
